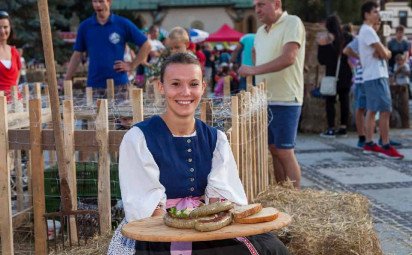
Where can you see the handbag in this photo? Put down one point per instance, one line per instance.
(328, 83)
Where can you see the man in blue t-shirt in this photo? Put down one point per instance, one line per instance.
(103, 37)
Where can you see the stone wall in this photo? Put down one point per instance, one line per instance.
(313, 117)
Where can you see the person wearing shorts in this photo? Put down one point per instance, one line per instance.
(283, 136)
(374, 56)
(280, 51)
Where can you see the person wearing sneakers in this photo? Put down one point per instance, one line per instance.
(374, 56)
(352, 50)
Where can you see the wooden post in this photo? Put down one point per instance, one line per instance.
(137, 105)
(70, 159)
(68, 89)
(14, 98)
(235, 130)
(242, 139)
(26, 96)
(37, 90)
(39, 203)
(157, 95)
(260, 142)
(226, 86)
(206, 112)
(19, 179)
(249, 83)
(254, 169)
(248, 144)
(6, 227)
(89, 96)
(102, 137)
(265, 133)
(110, 89)
(229, 135)
(47, 95)
(55, 102)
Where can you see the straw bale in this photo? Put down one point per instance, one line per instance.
(98, 245)
(324, 222)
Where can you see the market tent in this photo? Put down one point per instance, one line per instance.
(225, 34)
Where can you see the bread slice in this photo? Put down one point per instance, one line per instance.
(240, 212)
(265, 215)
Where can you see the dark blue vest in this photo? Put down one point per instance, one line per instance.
(184, 162)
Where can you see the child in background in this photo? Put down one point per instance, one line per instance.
(178, 42)
(220, 79)
(401, 70)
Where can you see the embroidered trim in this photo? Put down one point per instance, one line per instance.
(248, 244)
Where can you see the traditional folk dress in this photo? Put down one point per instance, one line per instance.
(156, 167)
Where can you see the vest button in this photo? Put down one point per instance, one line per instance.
(189, 141)
(192, 189)
(189, 150)
(189, 160)
(192, 179)
(192, 170)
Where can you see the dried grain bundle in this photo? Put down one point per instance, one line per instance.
(324, 222)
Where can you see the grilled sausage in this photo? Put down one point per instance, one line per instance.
(211, 209)
(221, 220)
(178, 223)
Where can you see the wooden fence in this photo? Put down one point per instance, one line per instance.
(247, 135)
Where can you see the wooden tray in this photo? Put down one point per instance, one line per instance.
(154, 230)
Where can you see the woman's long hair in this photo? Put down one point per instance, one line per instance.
(333, 25)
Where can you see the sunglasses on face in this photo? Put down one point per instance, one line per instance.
(4, 14)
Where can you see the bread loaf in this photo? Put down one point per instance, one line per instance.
(265, 215)
(240, 212)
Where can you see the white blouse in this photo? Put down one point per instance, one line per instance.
(139, 176)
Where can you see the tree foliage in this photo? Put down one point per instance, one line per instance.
(317, 10)
(26, 25)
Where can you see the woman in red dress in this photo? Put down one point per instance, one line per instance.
(10, 64)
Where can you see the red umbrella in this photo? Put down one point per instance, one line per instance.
(225, 34)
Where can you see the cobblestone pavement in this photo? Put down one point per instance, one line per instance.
(337, 164)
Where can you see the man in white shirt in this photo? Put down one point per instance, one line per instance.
(374, 56)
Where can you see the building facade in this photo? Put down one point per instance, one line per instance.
(401, 15)
(207, 15)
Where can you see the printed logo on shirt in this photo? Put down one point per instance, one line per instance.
(114, 38)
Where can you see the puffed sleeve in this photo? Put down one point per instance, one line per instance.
(223, 180)
(139, 177)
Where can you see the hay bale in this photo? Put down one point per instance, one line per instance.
(98, 245)
(324, 222)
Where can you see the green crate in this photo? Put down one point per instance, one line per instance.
(87, 178)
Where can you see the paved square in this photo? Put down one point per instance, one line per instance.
(363, 175)
(350, 141)
(306, 183)
(319, 158)
(302, 143)
(399, 198)
(407, 153)
(390, 240)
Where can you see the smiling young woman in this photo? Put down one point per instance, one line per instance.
(176, 160)
(183, 87)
